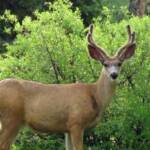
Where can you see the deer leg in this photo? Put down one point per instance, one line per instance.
(68, 142)
(76, 134)
(10, 128)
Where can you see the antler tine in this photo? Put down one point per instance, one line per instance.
(129, 32)
(90, 38)
(131, 38)
(91, 28)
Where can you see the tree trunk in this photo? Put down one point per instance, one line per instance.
(138, 7)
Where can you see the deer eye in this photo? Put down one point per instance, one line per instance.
(106, 65)
(119, 64)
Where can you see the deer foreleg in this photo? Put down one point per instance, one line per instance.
(10, 127)
(68, 142)
(76, 134)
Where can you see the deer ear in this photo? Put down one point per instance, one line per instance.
(96, 53)
(127, 52)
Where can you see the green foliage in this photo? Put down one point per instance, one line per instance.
(46, 49)
(88, 9)
(52, 49)
(21, 8)
(95, 8)
(39, 51)
(27, 140)
(126, 123)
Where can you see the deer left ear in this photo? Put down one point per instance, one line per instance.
(97, 53)
(127, 52)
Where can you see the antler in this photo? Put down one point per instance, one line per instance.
(90, 36)
(131, 39)
(91, 41)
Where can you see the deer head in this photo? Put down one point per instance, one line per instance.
(112, 64)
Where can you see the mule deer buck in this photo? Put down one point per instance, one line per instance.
(64, 108)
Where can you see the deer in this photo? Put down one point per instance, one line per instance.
(62, 108)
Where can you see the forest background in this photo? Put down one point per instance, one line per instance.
(45, 41)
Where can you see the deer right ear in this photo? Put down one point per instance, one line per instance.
(96, 53)
(127, 52)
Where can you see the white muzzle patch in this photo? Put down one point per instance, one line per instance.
(113, 69)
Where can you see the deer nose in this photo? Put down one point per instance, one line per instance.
(114, 75)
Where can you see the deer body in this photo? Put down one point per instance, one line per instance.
(65, 108)
(54, 107)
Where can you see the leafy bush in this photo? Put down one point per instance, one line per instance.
(38, 53)
(52, 49)
(126, 123)
(46, 49)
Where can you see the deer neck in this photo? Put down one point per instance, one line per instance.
(105, 89)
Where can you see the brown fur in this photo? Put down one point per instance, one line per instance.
(65, 108)
(51, 108)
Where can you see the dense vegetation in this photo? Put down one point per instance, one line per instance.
(51, 48)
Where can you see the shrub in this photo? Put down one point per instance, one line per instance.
(52, 49)
(126, 122)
